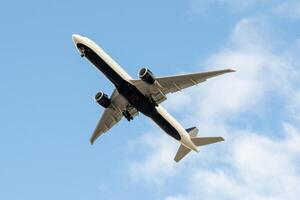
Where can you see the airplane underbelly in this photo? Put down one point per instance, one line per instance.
(113, 72)
(165, 121)
(120, 79)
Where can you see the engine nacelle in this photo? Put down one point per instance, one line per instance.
(147, 76)
(102, 99)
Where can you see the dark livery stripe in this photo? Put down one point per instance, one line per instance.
(130, 92)
(102, 65)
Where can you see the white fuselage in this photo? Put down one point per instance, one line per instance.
(116, 68)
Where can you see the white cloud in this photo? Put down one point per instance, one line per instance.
(156, 166)
(260, 168)
(260, 72)
(181, 98)
(250, 164)
(288, 9)
(201, 6)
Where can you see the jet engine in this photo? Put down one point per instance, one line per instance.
(147, 76)
(102, 99)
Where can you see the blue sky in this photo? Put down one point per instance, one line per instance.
(48, 113)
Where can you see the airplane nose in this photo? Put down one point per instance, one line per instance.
(76, 38)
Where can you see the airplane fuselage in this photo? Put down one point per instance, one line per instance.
(136, 98)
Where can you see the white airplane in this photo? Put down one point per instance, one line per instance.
(143, 95)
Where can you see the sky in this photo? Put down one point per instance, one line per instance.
(48, 112)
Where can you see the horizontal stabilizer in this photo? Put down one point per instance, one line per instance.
(201, 141)
(182, 151)
(198, 141)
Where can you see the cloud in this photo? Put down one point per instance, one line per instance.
(260, 168)
(181, 98)
(288, 9)
(157, 166)
(251, 163)
(260, 73)
(294, 106)
(236, 6)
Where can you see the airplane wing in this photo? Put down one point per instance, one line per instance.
(171, 84)
(112, 115)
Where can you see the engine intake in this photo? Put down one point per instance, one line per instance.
(102, 99)
(146, 75)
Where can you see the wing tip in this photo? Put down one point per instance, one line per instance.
(231, 70)
(92, 141)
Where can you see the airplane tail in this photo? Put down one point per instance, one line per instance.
(198, 141)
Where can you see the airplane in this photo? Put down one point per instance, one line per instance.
(144, 95)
